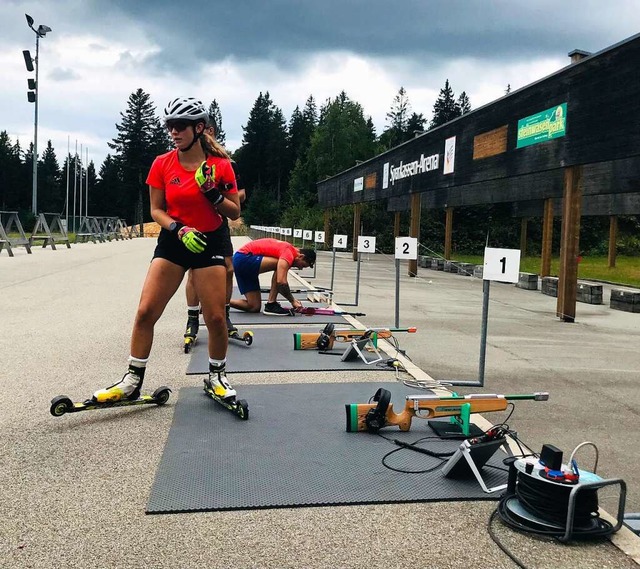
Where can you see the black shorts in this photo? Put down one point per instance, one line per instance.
(169, 247)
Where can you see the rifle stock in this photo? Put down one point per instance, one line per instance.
(431, 406)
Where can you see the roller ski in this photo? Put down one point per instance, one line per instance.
(234, 334)
(246, 337)
(122, 394)
(191, 332)
(218, 388)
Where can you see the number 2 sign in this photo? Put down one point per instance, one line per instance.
(501, 265)
(406, 248)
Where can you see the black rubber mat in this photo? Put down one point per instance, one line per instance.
(240, 318)
(270, 348)
(294, 451)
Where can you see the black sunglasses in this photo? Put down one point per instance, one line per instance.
(178, 124)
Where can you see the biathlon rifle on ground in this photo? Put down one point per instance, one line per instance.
(310, 311)
(379, 413)
(324, 340)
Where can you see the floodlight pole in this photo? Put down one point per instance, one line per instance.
(40, 33)
(34, 194)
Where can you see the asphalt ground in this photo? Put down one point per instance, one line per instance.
(73, 489)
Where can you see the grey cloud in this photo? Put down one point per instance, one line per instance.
(286, 31)
(63, 74)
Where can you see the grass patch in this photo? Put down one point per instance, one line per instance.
(626, 272)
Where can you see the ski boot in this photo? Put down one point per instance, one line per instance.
(218, 388)
(191, 333)
(122, 394)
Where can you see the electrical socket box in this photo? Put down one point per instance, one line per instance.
(551, 457)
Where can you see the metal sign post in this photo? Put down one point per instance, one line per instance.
(406, 248)
(365, 245)
(499, 265)
(339, 242)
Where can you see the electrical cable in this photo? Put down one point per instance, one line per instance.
(440, 456)
(499, 543)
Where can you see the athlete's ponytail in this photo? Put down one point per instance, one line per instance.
(212, 147)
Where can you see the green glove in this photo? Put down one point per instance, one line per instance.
(192, 239)
(205, 178)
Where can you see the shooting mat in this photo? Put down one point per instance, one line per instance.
(294, 451)
(272, 350)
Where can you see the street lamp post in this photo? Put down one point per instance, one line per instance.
(32, 97)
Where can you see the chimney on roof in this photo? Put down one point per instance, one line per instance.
(578, 54)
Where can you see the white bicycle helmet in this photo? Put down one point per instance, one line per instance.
(185, 108)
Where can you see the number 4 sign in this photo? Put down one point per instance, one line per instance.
(340, 241)
(501, 265)
(406, 248)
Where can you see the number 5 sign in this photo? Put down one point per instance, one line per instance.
(406, 248)
(501, 265)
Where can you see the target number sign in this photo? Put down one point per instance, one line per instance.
(501, 265)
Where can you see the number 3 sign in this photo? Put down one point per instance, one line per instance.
(501, 265)
(366, 244)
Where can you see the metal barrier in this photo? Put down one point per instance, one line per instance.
(9, 221)
(49, 230)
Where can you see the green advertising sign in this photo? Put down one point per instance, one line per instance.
(542, 126)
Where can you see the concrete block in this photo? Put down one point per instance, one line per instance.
(437, 264)
(466, 269)
(478, 271)
(550, 286)
(450, 266)
(422, 261)
(589, 293)
(528, 281)
(627, 300)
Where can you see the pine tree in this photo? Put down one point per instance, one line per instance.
(216, 116)
(11, 171)
(49, 190)
(103, 199)
(445, 108)
(264, 160)
(463, 103)
(398, 120)
(134, 152)
(342, 137)
(415, 123)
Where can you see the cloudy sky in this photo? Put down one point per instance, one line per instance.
(100, 51)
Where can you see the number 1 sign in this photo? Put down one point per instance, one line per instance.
(501, 265)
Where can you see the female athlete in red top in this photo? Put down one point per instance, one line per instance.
(190, 188)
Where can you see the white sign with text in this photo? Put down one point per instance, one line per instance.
(406, 248)
(501, 265)
(366, 244)
(339, 241)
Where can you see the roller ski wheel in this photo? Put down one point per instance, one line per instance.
(238, 407)
(246, 337)
(189, 342)
(63, 404)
